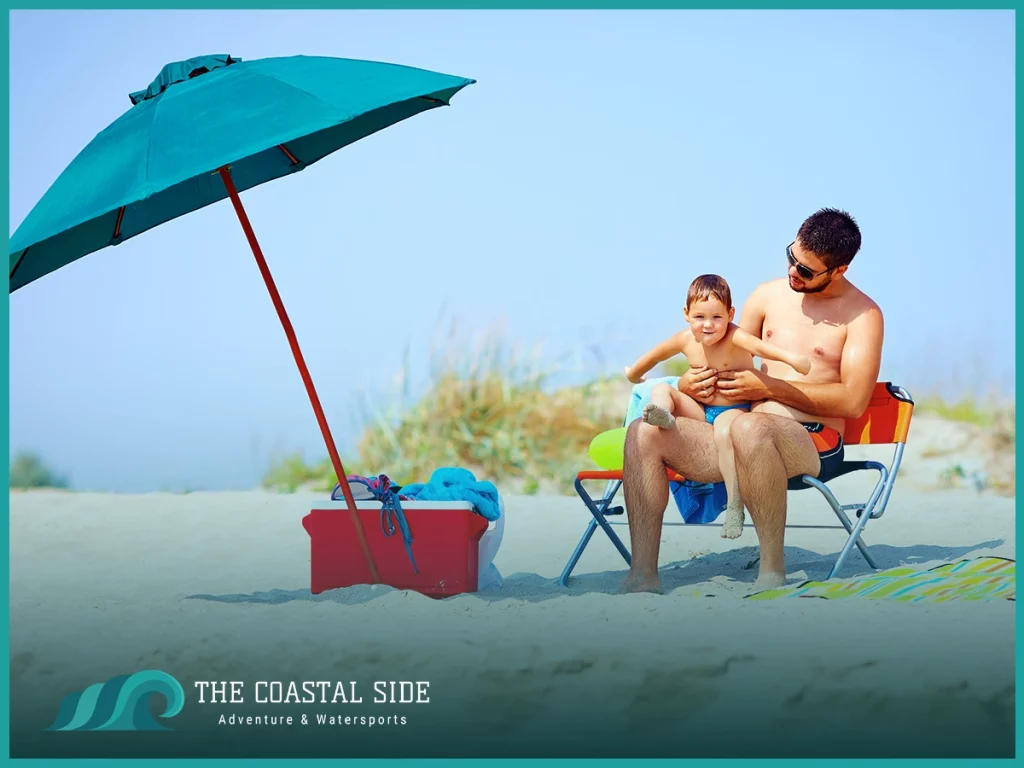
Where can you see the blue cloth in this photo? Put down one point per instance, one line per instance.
(697, 502)
(456, 484)
(712, 412)
(641, 396)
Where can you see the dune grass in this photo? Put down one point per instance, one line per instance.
(28, 470)
(997, 420)
(968, 410)
(485, 408)
(997, 425)
(497, 413)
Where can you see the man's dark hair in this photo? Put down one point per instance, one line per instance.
(831, 235)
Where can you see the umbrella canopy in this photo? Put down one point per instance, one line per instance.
(263, 119)
(205, 129)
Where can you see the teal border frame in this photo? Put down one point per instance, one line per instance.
(428, 5)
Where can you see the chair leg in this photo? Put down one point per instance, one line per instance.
(563, 580)
(873, 508)
(861, 545)
(606, 526)
(856, 529)
(854, 539)
(597, 509)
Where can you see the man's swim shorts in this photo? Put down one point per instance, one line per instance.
(829, 444)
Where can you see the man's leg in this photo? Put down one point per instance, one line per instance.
(768, 451)
(690, 450)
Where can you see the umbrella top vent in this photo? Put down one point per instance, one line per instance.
(179, 72)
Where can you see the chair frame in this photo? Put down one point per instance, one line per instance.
(872, 509)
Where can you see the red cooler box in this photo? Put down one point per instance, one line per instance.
(446, 538)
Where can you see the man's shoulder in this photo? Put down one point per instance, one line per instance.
(863, 304)
(767, 290)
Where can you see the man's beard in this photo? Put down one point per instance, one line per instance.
(816, 289)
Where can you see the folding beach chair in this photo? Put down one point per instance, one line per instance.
(885, 422)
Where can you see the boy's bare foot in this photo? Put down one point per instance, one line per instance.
(658, 416)
(733, 525)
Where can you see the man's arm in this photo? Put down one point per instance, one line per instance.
(848, 398)
(752, 316)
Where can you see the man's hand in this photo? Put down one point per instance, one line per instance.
(744, 385)
(699, 383)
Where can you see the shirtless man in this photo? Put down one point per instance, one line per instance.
(795, 427)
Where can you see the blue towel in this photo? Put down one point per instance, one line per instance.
(700, 502)
(456, 484)
(697, 502)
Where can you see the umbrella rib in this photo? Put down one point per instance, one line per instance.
(291, 157)
(286, 84)
(152, 131)
(332, 106)
(117, 226)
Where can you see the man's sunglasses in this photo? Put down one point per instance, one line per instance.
(803, 271)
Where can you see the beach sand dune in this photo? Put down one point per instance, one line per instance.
(215, 586)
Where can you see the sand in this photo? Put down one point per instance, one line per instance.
(215, 586)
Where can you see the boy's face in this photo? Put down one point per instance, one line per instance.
(709, 320)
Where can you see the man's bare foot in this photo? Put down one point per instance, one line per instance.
(733, 525)
(769, 581)
(637, 583)
(658, 416)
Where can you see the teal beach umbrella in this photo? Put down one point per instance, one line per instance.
(204, 130)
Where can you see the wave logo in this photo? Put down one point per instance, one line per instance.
(120, 704)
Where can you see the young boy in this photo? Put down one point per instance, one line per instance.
(712, 340)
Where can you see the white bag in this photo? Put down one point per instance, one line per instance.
(488, 576)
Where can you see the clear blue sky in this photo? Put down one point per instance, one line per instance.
(601, 162)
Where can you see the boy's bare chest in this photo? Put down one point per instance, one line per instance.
(723, 356)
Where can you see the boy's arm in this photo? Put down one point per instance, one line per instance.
(664, 351)
(846, 398)
(767, 351)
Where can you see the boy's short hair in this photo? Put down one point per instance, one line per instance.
(709, 286)
(832, 235)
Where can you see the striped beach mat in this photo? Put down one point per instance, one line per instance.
(983, 578)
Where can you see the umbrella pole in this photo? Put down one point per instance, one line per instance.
(332, 450)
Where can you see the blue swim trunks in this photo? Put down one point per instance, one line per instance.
(712, 412)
